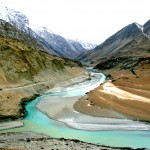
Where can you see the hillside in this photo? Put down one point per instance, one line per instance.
(26, 71)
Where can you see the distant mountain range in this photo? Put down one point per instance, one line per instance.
(51, 42)
(63, 47)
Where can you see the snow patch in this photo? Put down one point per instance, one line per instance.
(141, 28)
(14, 17)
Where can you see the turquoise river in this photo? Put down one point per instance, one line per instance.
(36, 121)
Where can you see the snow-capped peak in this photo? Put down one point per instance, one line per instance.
(86, 45)
(14, 17)
(38, 28)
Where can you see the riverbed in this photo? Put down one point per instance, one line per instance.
(72, 125)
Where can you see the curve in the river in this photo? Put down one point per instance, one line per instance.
(38, 122)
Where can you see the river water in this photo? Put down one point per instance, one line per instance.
(38, 122)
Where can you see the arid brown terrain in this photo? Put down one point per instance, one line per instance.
(126, 92)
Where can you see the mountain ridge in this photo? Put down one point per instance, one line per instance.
(113, 44)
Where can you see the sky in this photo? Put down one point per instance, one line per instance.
(86, 20)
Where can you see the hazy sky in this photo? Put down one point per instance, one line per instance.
(87, 20)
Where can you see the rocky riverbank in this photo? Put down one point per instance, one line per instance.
(32, 141)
